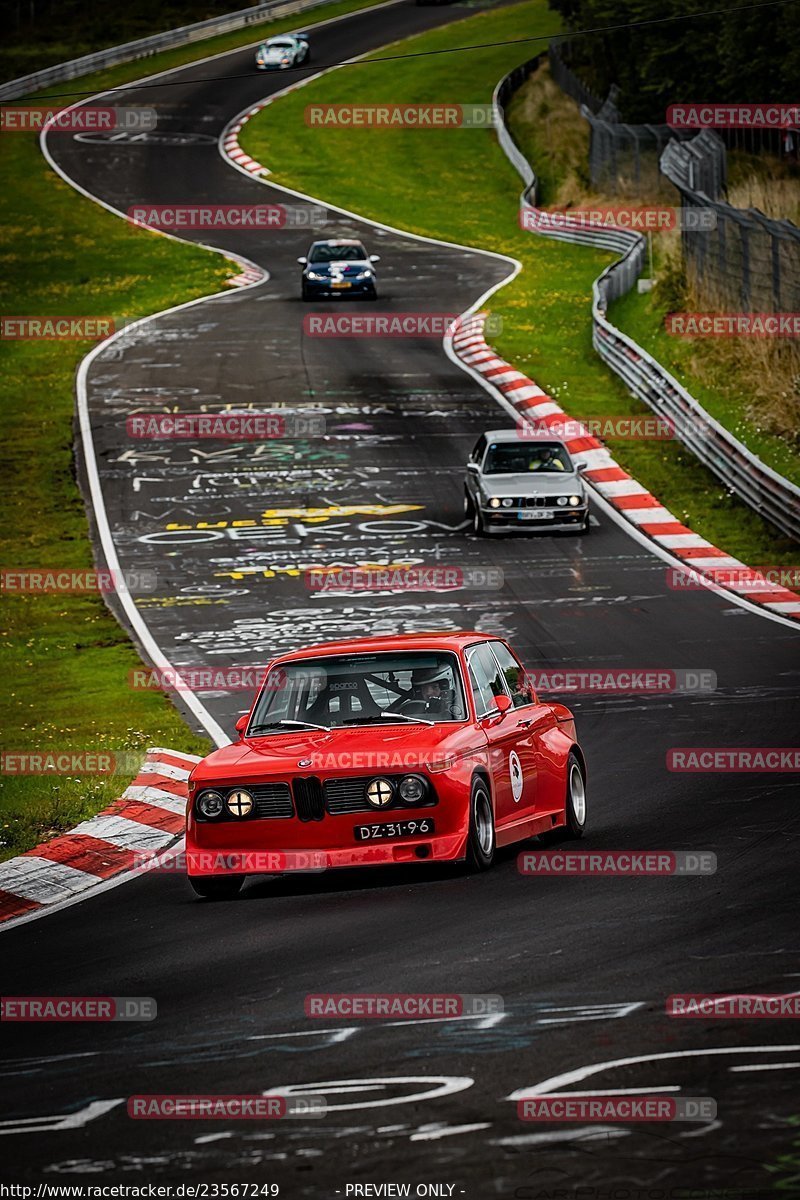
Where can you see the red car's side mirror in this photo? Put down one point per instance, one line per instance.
(241, 724)
(502, 703)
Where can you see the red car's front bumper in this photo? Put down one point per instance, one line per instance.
(276, 845)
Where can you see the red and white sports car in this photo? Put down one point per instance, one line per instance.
(384, 750)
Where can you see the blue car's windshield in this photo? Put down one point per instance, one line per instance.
(326, 253)
(361, 689)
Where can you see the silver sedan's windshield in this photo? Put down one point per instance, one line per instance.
(361, 689)
(515, 458)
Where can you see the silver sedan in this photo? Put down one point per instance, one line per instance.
(520, 480)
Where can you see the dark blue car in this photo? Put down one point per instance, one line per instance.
(340, 267)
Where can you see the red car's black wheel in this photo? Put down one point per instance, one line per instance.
(222, 887)
(481, 840)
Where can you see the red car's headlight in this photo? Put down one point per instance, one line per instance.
(412, 789)
(210, 804)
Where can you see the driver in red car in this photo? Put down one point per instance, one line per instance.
(430, 691)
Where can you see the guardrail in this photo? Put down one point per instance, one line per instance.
(764, 490)
(144, 47)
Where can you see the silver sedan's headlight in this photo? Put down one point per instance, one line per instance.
(575, 501)
(494, 502)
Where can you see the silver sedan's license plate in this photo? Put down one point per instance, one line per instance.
(537, 514)
(397, 829)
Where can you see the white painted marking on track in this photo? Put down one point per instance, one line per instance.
(557, 1083)
(789, 1066)
(73, 1120)
(442, 1085)
(334, 1035)
(584, 1133)
(437, 1132)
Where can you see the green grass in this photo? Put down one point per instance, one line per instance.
(64, 658)
(458, 185)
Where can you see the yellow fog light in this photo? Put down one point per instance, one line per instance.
(239, 803)
(379, 793)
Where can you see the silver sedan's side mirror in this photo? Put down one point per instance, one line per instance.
(580, 467)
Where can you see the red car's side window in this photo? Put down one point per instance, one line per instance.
(516, 676)
(485, 678)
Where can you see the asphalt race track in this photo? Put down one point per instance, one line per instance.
(583, 965)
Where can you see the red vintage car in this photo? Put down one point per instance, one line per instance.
(384, 750)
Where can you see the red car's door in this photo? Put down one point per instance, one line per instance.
(511, 742)
(540, 735)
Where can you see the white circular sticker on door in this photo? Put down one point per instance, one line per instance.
(516, 776)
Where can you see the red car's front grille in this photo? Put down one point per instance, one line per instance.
(308, 798)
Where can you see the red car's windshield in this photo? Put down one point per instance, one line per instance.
(361, 689)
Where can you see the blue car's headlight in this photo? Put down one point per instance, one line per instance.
(315, 275)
